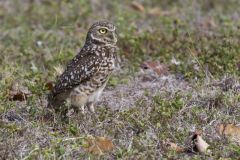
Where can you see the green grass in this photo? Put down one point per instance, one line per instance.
(37, 36)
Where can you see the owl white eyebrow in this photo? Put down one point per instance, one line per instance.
(109, 28)
(114, 28)
(112, 45)
(96, 38)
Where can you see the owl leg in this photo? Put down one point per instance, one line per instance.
(91, 107)
(83, 109)
(79, 101)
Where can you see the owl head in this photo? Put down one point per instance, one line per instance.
(102, 32)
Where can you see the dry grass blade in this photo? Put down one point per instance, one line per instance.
(58, 69)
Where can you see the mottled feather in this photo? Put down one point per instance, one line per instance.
(79, 70)
(87, 73)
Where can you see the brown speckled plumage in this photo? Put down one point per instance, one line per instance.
(87, 73)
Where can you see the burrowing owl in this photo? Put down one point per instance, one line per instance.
(86, 75)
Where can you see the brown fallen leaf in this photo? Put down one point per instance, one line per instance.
(17, 96)
(230, 130)
(156, 66)
(137, 6)
(200, 145)
(49, 86)
(175, 147)
(98, 145)
(18, 93)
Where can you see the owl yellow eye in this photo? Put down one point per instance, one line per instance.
(102, 30)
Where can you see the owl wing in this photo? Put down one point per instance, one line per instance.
(81, 68)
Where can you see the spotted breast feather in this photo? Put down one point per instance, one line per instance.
(81, 69)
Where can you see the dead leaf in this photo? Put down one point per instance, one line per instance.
(137, 6)
(200, 145)
(230, 130)
(98, 145)
(49, 86)
(175, 147)
(18, 93)
(17, 96)
(156, 66)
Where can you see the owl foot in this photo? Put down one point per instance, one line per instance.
(89, 107)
